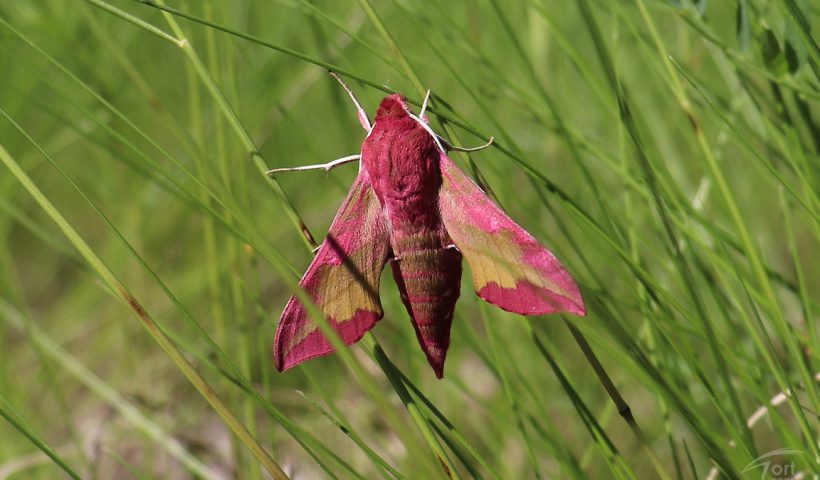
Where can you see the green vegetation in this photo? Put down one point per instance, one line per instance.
(668, 152)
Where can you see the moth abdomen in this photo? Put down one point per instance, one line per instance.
(429, 281)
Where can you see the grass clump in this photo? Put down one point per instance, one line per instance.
(666, 151)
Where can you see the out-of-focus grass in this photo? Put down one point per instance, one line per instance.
(666, 151)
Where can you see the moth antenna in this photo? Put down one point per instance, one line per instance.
(466, 149)
(324, 166)
(424, 104)
(362, 114)
(429, 130)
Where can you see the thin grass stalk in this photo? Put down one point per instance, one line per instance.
(620, 404)
(749, 247)
(108, 394)
(813, 334)
(8, 412)
(628, 119)
(448, 469)
(124, 295)
(511, 396)
(386, 470)
(306, 440)
(239, 129)
(612, 456)
(450, 428)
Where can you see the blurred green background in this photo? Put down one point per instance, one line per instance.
(665, 151)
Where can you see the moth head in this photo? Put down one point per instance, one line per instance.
(393, 105)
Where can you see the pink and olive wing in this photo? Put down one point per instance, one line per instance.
(510, 268)
(343, 280)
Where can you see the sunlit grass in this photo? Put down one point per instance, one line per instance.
(666, 151)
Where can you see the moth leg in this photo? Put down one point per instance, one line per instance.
(324, 166)
(362, 115)
(452, 246)
(465, 149)
(424, 105)
(396, 259)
